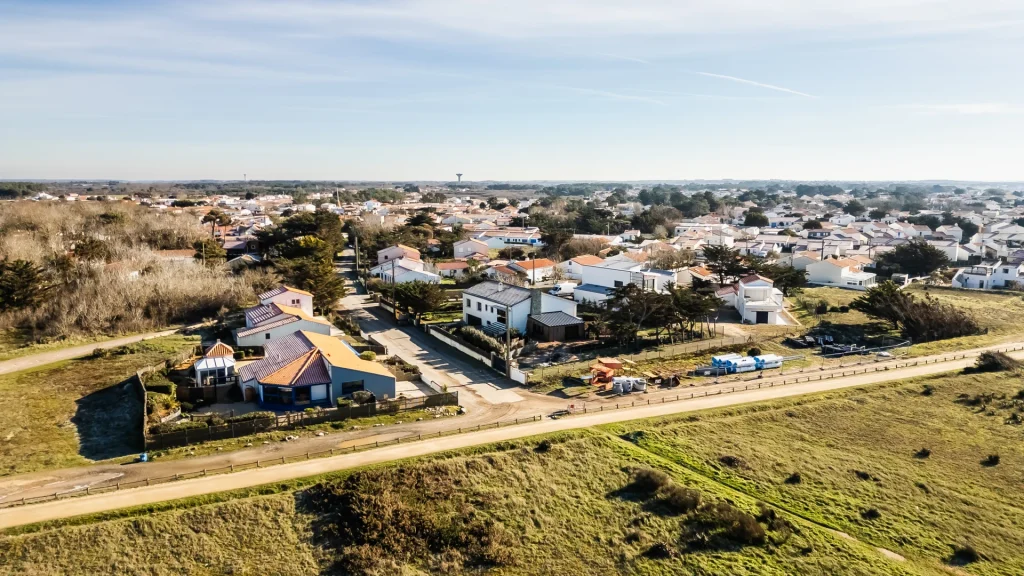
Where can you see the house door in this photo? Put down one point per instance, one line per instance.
(473, 320)
(762, 318)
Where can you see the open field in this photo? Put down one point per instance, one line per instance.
(72, 412)
(567, 505)
(861, 450)
(15, 343)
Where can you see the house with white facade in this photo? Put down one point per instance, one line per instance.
(511, 238)
(997, 274)
(269, 321)
(493, 305)
(756, 299)
(471, 248)
(536, 270)
(397, 251)
(841, 273)
(288, 296)
(600, 280)
(573, 267)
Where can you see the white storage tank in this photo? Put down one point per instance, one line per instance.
(724, 359)
(768, 361)
(743, 364)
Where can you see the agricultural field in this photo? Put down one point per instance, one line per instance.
(77, 411)
(836, 484)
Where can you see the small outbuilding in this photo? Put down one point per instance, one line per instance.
(555, 327)
(217, 366)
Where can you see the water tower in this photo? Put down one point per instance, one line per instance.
(460, 178)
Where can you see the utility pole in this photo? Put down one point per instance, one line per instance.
(394, 303)
(508, 341)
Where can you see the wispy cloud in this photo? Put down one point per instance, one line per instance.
(617, 96)
(968, 109)
(625, 58)
(758, 84)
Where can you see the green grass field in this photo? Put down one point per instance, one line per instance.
(569, 506)
(15, 343)
(70, 413)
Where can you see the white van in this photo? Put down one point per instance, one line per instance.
(563, 289)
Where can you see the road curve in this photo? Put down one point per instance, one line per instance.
(17, 516)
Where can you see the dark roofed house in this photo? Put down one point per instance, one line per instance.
(556, 326)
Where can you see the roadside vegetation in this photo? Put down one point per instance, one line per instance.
(74, 412)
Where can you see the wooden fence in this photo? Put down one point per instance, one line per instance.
(293, 420)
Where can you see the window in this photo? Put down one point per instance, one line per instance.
(469, 303)
(350, 387)
(267, 335)
(479, 307)
(618, 283)
(1006, 270)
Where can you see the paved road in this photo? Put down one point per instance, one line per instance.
(147, 495)
(44, 358)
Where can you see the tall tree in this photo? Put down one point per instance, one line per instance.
(631, 308)
(916, 258)
(724, 261)
(316, 275)
(22, 284)
(421, 297)
(209, 252)
(757, 219)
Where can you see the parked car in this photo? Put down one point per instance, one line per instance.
(563, 289)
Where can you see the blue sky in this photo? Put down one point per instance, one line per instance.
(525, 89)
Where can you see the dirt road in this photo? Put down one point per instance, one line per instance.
(16, 516)
(44, 358)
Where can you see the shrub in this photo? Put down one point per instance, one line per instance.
(754, 352)
(993, 362)
(168, 427)
(928, 390)
(732, 461)
(187, 407)
(648, 481)
(257, 415)
(363, 397)
(963, 555)
(794, 478)
(543, 446)
(991, 460)
(717, 524)
(844, 309)
(476, 337)
(239, 354)
(821, 307)
(870, 514)
(680, 500)
(923, 453)
(368, 355)
(660, 551)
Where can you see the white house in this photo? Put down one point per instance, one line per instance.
(216, 366)
(536, 270)
(401, 274)
(269, 321)
(397, 251)
(756, 299)
(842, 273)
(288, 296)
(573, 267)
(407, 263)
(452, 269)
(599, 280)
(511, 238)
(493, 304)
(489, 304)
(987, 276)
(471, 248)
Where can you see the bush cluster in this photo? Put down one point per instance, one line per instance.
(476, 337)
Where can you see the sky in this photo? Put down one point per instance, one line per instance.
(518, 90)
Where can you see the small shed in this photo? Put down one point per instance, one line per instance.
(217, 365)
(555, 326)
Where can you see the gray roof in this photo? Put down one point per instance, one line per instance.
(594, 288)
(498, 293)
(552, 319)
(276, 354)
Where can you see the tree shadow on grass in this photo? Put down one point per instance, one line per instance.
(109, 422)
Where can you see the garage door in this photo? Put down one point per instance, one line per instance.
(762, 317)
(318, 392)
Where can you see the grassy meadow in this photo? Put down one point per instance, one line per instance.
(72, 412)
(843, 483)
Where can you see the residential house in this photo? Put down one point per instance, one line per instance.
(990, 275)
(492, 306)
(536, 270)
(573, 267)
(756, 299)
(452, 269)
(397, 251)
(471, 248)
(289, 297)
(511, 238)
(841, 272)
(306, 369)
(270, 321)
(600, 280)
(686, 276)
